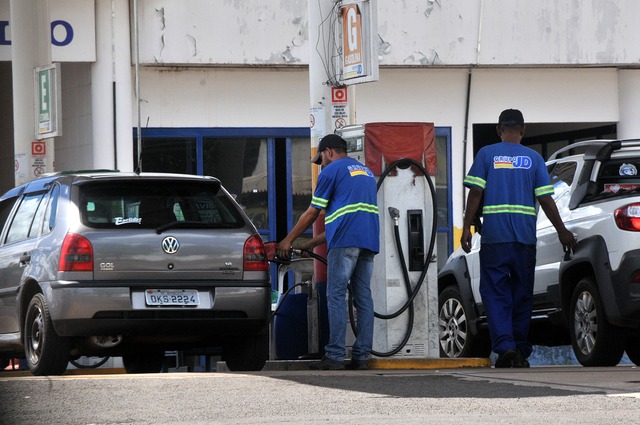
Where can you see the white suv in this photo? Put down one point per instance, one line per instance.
(589, 298)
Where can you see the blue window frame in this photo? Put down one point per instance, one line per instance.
(284, 153)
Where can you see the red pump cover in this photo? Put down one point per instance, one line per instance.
(386, 142)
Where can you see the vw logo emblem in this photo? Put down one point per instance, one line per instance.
(170, 245)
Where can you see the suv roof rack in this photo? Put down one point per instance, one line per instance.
(593, 148)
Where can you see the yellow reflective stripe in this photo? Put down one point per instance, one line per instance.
(508, 209)
(475, 181)
(321, 202)
(544, 190)
(349, 209)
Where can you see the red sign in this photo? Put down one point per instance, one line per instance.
(38, 148)
(338, 94)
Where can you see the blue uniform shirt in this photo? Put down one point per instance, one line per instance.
(512, 176)
(347, 192)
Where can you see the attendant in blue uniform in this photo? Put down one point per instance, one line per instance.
(511, 177)
(347, 191)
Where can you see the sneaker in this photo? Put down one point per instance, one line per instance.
(506, 359)
(358, 365)
(520, 361)
(327, 364)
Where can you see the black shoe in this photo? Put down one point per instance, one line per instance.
(506, 359)
(358, 365)
(520, 361)
(327, 364)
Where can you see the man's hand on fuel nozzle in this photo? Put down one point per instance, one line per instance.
(284, 249)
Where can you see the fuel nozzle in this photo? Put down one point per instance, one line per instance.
(395, 215)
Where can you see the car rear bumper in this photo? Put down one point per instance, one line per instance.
(80, 309)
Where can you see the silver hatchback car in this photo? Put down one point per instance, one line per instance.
(131, 265)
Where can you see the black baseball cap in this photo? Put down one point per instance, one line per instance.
(328, 141)
(511, 117)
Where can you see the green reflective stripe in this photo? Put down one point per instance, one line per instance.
(476, 181)
(349, 209)
(321, 202)
(508, 209)
(544, 190)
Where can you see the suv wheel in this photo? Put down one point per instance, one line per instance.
(143, 361)
(47, 353)
(247, 353)
(595, 342)
(455, 337)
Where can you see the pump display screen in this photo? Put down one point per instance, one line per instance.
(355, 144)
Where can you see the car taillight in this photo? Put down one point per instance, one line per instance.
(628, 217)
(255, 257)
(76, 254)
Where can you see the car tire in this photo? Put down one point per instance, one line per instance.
(595, 342)
(47, 353)
(632, 349)
(247, 353)
(455, 336)
(143, 361)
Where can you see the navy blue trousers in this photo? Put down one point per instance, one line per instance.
(506, 286)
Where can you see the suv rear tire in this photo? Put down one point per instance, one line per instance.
(455, 336)
(47, 353)
(595, 342)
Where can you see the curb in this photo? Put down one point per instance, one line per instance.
(378, 364)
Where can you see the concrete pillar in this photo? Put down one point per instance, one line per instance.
(629, 103)
(123, 85)
(111, 83)
(30, 48)
(102, 77)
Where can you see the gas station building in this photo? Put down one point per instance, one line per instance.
(243, 89)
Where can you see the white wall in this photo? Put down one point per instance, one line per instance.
(410, 32)
(223, 32)
(215, 97)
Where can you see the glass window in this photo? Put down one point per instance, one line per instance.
(151, 203)
(169, 155)
(25, 218)
(300, 176)
(50, 214)
(241, 165)
(619, 175)
(5, 209)
(443, 196)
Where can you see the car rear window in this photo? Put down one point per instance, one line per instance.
(619, 174)
(150, 204)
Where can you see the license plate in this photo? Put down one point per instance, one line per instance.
(171, 297)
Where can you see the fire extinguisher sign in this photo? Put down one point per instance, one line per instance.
(38, 148)
(338, 94)
(339, 107)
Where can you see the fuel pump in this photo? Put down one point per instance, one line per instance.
(404, 284)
